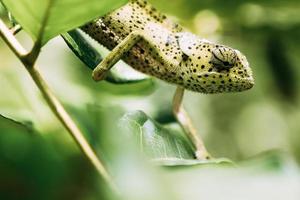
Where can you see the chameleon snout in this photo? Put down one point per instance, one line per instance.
(228, 71)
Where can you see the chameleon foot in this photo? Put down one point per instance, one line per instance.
(202, 155)
(100, 74)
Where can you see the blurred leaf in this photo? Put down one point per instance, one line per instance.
(35, 166)
(3, 11)
(175, 162)
(269, 161)
(124, 74)
(84, 49)
(7, 124)
(254, 180)
(166, 145)
(282, 16)
(33, 15)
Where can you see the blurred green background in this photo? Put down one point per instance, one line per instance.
(38, 159)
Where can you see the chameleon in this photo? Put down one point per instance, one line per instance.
(151, 43)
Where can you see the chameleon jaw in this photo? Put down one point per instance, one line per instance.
(216, 82)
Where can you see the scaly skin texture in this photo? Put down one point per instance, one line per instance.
(170, 53)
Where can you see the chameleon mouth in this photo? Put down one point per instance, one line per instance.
(242, 83)
(215, 82)
(249, 80)
(247, 83)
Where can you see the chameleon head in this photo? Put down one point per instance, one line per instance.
(213, 68)
(228, 71)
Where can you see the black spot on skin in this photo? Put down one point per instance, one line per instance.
(185, 57)
(111, 34)
(202, 66)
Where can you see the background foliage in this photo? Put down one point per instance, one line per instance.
(259, 129)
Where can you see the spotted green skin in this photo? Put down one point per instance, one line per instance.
(170, 53)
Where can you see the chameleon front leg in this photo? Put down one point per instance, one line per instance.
(115, 55)
(186, 123)
(124, 46)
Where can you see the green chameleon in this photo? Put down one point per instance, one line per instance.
(149, 42)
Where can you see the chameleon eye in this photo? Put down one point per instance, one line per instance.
(223, 57)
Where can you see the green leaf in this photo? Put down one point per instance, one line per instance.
(9, 124)
(36, 162)
(82, 48)
(86, 50)
(44, 19)
(15, 138)
(166, 145)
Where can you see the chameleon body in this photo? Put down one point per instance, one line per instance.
(166, 51)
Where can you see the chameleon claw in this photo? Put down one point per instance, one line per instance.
(99, 75)
(202, 155)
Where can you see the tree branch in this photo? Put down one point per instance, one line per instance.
(54, 104)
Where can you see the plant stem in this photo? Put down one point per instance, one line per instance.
(54, 104)
(11, 41)
(16, 29)
(69, 124)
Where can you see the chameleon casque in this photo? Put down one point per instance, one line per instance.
(151, 43)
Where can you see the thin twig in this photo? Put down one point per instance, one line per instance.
(11, 41)
(54, 104)
(16, 29)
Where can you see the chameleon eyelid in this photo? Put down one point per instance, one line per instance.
(219, 59)
(223, 64)
(221, 52)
